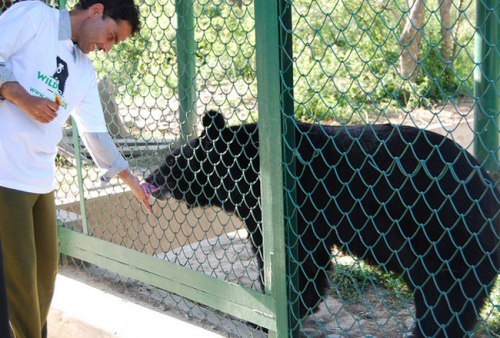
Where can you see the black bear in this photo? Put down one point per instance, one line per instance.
(407, 200)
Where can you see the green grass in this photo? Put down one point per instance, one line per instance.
(352, 281)
(491, 313)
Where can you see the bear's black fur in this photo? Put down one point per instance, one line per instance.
(407, 200)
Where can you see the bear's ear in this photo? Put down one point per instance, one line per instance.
(213, 122)
(213, 118)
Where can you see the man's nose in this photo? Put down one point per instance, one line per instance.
(108, 46)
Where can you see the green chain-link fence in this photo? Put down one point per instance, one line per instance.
(313, 194)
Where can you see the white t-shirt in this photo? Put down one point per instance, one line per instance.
(47, 67)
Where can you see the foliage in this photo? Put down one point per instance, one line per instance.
(350, 281)
(345, 57)
(143, 67)
(491, 313)
(347, 61)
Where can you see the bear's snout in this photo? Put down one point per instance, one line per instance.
(155, 188)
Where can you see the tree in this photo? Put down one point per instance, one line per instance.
(410, 40)
(444, 12)
(412, 35)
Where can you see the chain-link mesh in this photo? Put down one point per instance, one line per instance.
(140, 90)
(394, 226)
(380, 196)
(406, 215)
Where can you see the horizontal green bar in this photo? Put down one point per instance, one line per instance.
(230, 298)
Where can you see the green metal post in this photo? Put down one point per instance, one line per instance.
(486, 80)
(186, 69)
(289, 176)
(79, 173)
(274, 76)
(78, 159)
(268, 84)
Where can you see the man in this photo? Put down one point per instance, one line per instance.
(4, 314)
(44, 76)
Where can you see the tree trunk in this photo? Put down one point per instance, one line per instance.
(410, 40)
(446, 27)
(114, 122)
(457, 28)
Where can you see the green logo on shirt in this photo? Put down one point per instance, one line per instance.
(48, 80)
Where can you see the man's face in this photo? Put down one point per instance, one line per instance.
(98, 33)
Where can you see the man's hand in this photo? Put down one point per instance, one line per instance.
(133, 182)
(39, 109)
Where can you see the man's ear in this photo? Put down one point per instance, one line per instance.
(96, 10)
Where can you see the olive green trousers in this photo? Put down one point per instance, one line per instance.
(28, 234)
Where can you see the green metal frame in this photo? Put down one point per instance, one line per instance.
(270, 152)
(187, 69)
(243, 303)
(269, 310)
(78, 159)
(486, 89)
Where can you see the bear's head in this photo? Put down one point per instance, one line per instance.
(216, 168)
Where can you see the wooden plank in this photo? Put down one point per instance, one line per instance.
(143, 142)
(129, 147)
(230, 298)
(135, 150)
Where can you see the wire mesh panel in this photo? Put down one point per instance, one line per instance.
(392, 228)
(154, 90)
(397, 226)
(139, 87)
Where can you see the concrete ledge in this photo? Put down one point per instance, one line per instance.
(81, 311)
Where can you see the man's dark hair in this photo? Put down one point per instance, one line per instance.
(117, 10)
